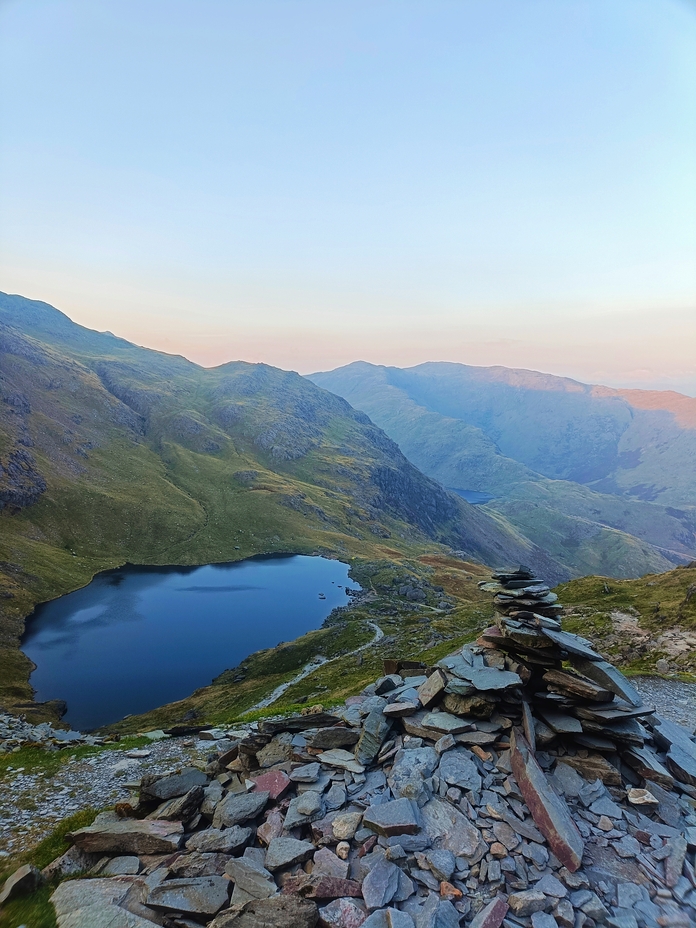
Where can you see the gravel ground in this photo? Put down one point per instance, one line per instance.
(674, 700)
(32, 803)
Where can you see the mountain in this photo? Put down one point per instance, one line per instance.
(602, 479)
(112, 453)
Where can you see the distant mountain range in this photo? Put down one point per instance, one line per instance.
(604, 480)
(111, 453)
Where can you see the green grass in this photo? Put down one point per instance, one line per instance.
(659, 602)
(36, 759)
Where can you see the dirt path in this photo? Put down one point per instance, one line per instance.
(311, 667)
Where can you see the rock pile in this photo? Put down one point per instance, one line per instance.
(16, 732)
(518, 782)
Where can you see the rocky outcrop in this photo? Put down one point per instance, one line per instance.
(21, 484)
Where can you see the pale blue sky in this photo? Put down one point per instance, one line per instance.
(307, 183)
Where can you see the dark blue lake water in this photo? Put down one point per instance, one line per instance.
(138, 637)
(476, 497)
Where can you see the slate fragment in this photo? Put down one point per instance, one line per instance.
(549, 811)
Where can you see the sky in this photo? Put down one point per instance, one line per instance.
(308, 183)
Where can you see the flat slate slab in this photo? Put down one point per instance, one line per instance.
(337, 757)
(397, 817)
(130, 836)
(236, 808)
(445, 722)
(284, 852)
(549, 811)
(452, 830)
(605, 674)
(203, 895)
(172, 785)
(573, 644)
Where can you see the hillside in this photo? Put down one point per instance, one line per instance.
(111, 453)
(602, 479)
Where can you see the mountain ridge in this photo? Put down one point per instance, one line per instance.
(112, 453)
(564, 477)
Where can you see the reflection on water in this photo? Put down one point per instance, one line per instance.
(136, 638)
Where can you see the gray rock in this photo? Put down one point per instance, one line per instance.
(543, 920)
(445, 723)
(336, 797)
(375, 729)
(171, 785)
(526, 902)
(409, 771)
(129, 836)
(26, 879)
(442, 863)
(606, 806)
(458, 768)
(182, 808)
(437, 914)
(451, 830)
(215, 840)
(199, 896)
(274, 912)
(325, 861)
(551, 886)
(236, 808)
(397, 817)
(212, 794)
(283, 852)
(335, 737)
(380, 885)
(304, 809)
(309, 773)
(388, 918)
(121, 866)
(567, 780)
(252, 878)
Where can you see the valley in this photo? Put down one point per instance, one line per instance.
(115, 454)
(601, 479)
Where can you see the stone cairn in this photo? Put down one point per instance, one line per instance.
(518, 782)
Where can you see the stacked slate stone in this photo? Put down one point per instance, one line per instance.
(570, 699)
(484, 791)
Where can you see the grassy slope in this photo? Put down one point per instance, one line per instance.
(586, 530)
(659, 603)
(150, 459)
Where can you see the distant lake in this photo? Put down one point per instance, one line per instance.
(138, 637)
(473, 496)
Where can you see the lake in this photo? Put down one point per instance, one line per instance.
(476, 497)
(138, 637)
